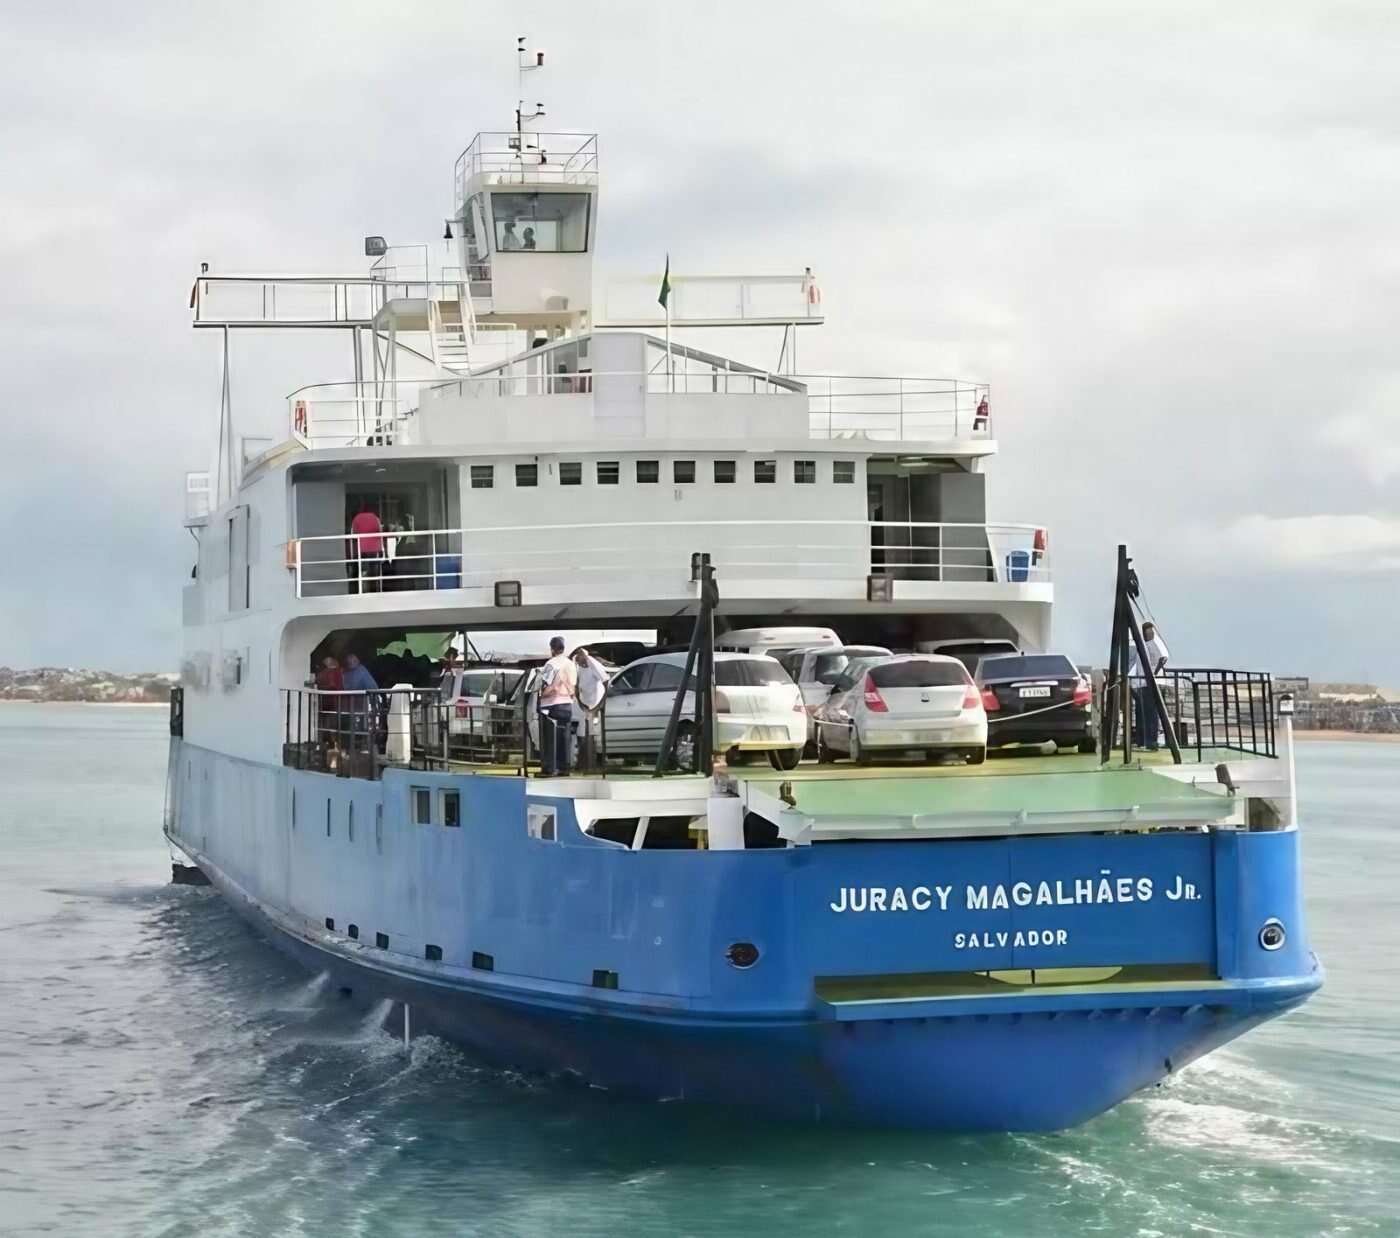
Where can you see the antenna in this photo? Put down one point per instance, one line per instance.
(526, 62)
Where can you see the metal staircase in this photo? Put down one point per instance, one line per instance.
(451, 342)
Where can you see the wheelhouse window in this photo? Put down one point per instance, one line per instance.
(648, 471)
(548, 223)
(452, 808)
(725, 472)
(765, 472)
(804, 472)
(683, 472)
(843, 472)
(483, 476)
(608, 472)
(527, 474)
(570, 473)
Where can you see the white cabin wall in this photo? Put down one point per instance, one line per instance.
(239, 717)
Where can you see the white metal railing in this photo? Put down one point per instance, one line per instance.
(872, 409)
(364, 414)
(698, 299)
(507, 158)
(316, 300)
(449, 559)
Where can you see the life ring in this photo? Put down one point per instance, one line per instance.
(299, 417)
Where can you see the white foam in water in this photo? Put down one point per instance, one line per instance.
(372, 1025)
(309, 994)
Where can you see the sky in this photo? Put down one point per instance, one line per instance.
(1165, 234)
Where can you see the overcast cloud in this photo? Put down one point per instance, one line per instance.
(1166, 235)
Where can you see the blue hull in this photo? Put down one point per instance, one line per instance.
(1038, 1070)
(562, 954)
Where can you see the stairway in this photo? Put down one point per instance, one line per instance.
(450, 343)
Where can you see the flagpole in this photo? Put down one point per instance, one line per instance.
(670, 363)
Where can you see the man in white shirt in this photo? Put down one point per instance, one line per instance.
(1146, 706)
(558, 691)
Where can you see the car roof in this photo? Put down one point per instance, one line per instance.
(988, 664)
(678, 659)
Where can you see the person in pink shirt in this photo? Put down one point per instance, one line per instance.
(367, 538)
(558, 689)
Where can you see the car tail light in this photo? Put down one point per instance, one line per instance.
(873, 700)
(1083, 694)
(722, 705)
(989, 701)
(971, 698)
(799, 706)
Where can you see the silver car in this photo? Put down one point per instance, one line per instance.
(925, 702)
(757, 708)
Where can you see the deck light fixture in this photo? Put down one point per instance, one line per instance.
(507, 593)
(879, 588)
(375, 247)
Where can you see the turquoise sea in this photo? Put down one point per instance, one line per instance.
(165, 1072)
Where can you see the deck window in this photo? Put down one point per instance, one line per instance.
(804, 472)
(570, 473)
(609, 472)
(422, 806)
(452, 808)
(527, 474)
(765, 472)
(648, 471)
(683, 472)
(483, 476)
(843, 472)
(382, 940)
(725, 472)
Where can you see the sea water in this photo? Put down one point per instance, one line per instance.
(163, 1071)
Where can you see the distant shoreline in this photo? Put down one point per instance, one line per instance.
(1367, 737)
(105, 704)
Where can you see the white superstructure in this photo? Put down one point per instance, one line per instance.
(548, 454)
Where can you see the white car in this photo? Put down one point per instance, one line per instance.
(467, 692)
(926, 702)
(817, 668)
(757, 708)
(774, 641)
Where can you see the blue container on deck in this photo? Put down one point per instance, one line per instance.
(447, 571)
(1018, 567)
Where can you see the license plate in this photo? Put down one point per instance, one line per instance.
(1031, 693)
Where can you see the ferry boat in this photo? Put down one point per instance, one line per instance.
(1013, 945)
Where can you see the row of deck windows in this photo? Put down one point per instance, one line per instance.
(683, 473)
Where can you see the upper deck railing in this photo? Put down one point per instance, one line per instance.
(313, 300)
(508, 158)
(545, 554)
(877, 410)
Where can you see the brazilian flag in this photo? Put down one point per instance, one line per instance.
(665, 293)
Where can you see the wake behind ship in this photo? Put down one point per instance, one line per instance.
(944, 942)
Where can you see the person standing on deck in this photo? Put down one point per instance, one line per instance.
(592, 687)
(329, 680)
(1145, 707)
(558, 691)
(363, 707)
(367, 535)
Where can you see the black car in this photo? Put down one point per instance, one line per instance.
(1036, 698)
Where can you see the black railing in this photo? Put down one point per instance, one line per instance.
(1209, 708)
(358, 734)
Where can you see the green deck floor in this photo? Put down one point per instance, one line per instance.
(1005, 784)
